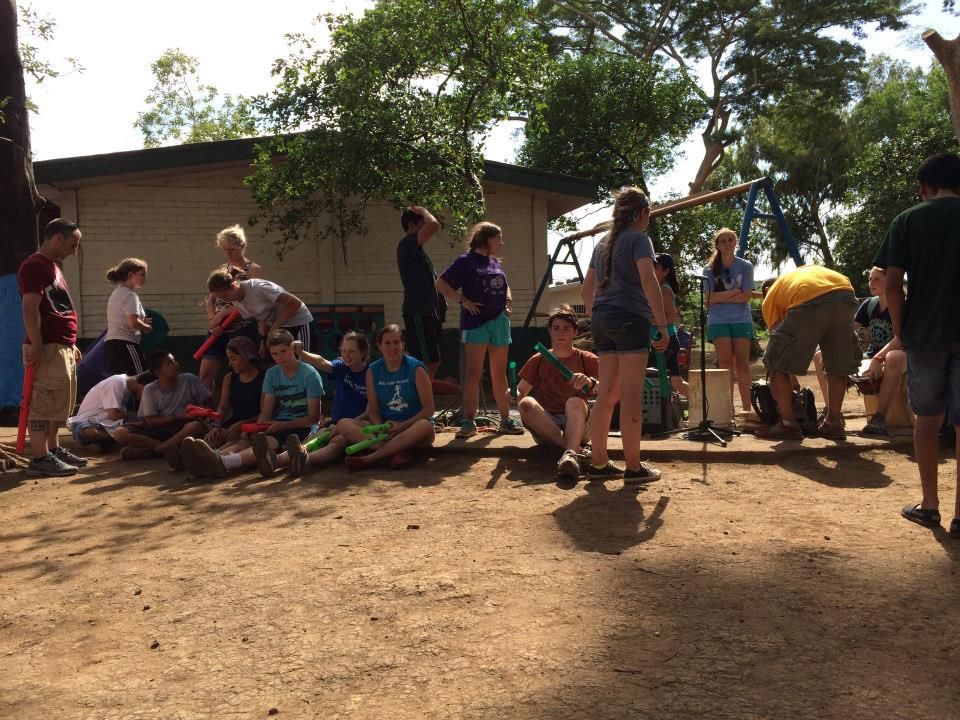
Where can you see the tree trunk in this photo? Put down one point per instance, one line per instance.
(713, 149)
(948, 53)
(21, 202)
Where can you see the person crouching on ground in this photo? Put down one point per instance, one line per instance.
(349, 404)
(289, 405)
(162, 422)
(106, 405)
(399, 392)
(554, 409)
(806, 307)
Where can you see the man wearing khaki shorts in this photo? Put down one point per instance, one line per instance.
(50, 321)
(804, 308)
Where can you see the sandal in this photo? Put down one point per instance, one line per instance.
(922, 516)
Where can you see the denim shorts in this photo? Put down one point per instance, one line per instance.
(618, 331)
(77, 431)
(494, 332)
(933, 378)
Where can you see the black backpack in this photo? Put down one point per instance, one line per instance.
(804, 407)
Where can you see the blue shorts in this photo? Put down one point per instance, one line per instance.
(494, 332)
(618, 331)
(933, 378)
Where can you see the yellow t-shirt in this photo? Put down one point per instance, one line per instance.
(799, 286)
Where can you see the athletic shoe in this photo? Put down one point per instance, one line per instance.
(832, 430)
(173, 458)
(50, 466)
(137, 453)
(877, 425)
(68, 458)
(583, 458)
(210, 460)
(646, 473)
(468, 428)
(510, 426)
(266, 458)
(298, 460)
(779, 431)
(569, 465)
(401, 459)
(191, 460)
(607, 472)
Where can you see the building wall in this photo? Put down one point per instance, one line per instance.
(171, 222)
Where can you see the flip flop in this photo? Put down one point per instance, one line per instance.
(921, 516)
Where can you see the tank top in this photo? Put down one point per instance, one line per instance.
(245, 397)
(397, 391)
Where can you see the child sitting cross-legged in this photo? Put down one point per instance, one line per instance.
(290, 405)
(349, 373)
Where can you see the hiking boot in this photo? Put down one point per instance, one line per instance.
(137, 453)
(173, 458)
(266, 458)
(832, 430)
(510, 426)
(210, 460)
(876, 425)
(50, 466)
(779, 431)
(646, 474)
(569, 465)
(191, 460)
(68, 458)
(298, 460)
(606, 472)
(468, 428)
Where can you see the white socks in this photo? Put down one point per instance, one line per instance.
(231, 461)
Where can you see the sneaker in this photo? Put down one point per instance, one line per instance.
(832, 430)
(137, 453)
(583, 458)
(779, 431)
(646, 473)
(174, 459)
(510, 426)
(266, 458)
(876, 425)
(569, 465)
(468, 428)
(68, 458)
(607, 472)
(298, 459)
(210, 460)
(191, 460)
(50, 466)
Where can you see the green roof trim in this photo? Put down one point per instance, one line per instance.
(72, 169)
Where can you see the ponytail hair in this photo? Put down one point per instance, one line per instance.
(126, 267)
(628, 205)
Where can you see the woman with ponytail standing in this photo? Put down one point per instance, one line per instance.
(126, 318)
(729, 286)
(622, 296)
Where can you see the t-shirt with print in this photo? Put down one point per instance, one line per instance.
(420, 294)
(58, 318)
(397, 391)
(259, 298)
(108, 394)
(157, 400)
(122, 303)
(739, 276)
(624, 291)
(925, 241)
(550, 388)
(481, 279)
(350, 391)
(878, 324)
(291, 394)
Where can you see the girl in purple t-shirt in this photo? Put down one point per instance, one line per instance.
(476, 281)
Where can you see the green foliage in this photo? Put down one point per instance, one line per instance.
(398, 109)
(39, 29)
(611, 118)
(185, 110)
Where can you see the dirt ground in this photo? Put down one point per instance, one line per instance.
(756, 581)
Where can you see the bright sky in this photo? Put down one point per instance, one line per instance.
(236, 42)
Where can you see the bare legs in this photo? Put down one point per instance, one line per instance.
(734, 355)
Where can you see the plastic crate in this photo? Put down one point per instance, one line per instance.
(332, 322)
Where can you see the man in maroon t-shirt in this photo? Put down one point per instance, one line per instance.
(50, 321)
(557, 415)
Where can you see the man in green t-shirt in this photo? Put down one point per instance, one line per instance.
(924, 243)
